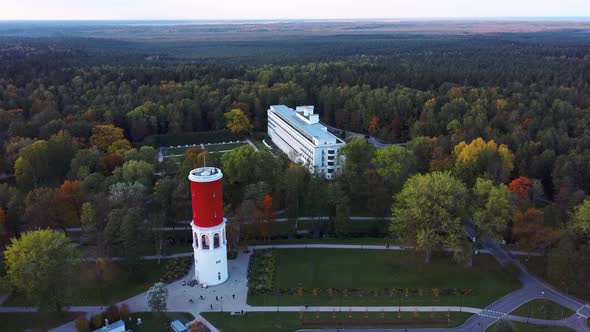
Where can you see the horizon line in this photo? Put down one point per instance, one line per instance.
(409, 18)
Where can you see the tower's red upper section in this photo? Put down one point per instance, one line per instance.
(206, 196)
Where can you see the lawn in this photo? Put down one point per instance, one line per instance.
(544, 309)
(331, 240)
(524, 327)
(292, 321)
(373, 228)
(150, 321)
(118, 283)
(259, 144)
(35, 321)
(364, 273)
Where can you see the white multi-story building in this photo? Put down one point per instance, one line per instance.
(299, 133)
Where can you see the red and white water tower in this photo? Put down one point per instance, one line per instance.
(208, 225)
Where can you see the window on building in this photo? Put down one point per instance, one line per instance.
(216, 240)
(196, 239)
(205, 241)
(330, 170)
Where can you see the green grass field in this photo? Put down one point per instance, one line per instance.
(334, 240)
(152, 323)
(524, 327)
(371, 269)
(544, 309)
(118, 284)
(291, 321)
(259, 144)
(35, 321)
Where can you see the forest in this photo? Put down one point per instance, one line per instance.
(500, 112)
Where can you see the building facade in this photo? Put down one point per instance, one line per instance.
(299, 133)
(208, 226)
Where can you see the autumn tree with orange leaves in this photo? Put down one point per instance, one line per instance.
(3, 230)
(521, 187)
(265, 210)
(529, 231)
(374, 124)
(69, 194)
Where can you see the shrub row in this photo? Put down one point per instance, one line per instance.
(360, 292)
(261, 270)
(201, 137)
(176, 268)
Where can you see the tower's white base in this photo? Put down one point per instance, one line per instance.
(211, 261)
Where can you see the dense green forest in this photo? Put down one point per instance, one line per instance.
(75, 115)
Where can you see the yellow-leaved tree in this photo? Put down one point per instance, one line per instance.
(482, 159)
(238, 122)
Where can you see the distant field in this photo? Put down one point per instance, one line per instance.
(205, 31)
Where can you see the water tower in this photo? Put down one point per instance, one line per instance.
(208, 225)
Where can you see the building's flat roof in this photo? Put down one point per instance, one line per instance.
(315, 130)
(178, 326)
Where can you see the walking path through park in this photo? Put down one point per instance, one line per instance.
(232, 295)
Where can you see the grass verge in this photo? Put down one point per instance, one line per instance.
(34, 321)
(543, 309)
(524, 327)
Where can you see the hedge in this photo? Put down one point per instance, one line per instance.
(197, 137)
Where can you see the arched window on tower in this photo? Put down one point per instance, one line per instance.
(216, 240)
(196, 239)
(205, 241)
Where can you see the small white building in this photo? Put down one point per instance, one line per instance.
(299, 133)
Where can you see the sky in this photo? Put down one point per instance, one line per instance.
(284, 9)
